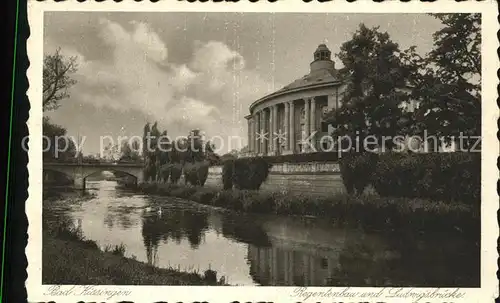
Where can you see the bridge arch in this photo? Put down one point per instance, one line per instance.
(119, 171)
(79, 172)
(56, 177)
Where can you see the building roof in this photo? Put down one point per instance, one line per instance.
(315, 77)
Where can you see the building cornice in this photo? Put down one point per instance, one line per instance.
(294, 90)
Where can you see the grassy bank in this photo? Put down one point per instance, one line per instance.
(367, 211)
(68, 258)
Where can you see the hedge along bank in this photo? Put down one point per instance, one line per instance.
(452, 176)
(436, 176)
(446, 177)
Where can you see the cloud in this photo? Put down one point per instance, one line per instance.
(211, 92)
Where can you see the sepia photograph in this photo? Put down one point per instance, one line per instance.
(262, 149)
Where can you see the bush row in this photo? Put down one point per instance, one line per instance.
(436, 176)
(367, 211)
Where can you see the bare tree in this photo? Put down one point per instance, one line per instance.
(57, 79)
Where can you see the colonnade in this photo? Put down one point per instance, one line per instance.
(265, 134)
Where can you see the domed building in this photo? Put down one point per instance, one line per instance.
(279, 123)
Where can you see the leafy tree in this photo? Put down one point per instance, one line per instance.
(112, 152)
(376, 90)
(130, 151)
(448, 85)
(55, 137)
(57, 71)
(57, 80)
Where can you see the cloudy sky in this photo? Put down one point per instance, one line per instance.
(194, 70)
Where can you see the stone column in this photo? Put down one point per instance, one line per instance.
(313, 122)
(270, 121)
(263, 144)
(305, 134)
(287, 126)
(249, 134)
(253, 134)
(251, 140)
(292, 126)
(275, 128)
(257, 130)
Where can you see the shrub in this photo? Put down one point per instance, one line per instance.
(165, 172)
(183, 192)
(258, 202)
(437, 176)
(357, 170)
(227, 174)
(245, 173)
(210, 276)
(165, 189)
(148, 188)
(175, 172)
(204, 195)
(196, 173)
(117, 250)
(233, 199)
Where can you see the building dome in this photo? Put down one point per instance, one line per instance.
(297, 109)
(322, 72)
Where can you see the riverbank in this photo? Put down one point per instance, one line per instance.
(70, 259)
(367, 211)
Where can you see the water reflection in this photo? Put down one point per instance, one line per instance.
(282, 267)
(242, 229)
(172, 225)
(265, 250)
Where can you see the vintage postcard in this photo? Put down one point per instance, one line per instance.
(262, 152)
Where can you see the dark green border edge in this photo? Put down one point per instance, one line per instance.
(9, 148)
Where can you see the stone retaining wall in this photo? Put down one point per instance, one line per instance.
(310, 177)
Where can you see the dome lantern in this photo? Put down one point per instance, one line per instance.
(322, 59)
(322, 53)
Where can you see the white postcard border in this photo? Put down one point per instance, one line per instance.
(490, 175)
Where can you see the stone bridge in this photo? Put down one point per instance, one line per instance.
(78, 172)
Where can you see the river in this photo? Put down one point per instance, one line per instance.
(249, 249)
